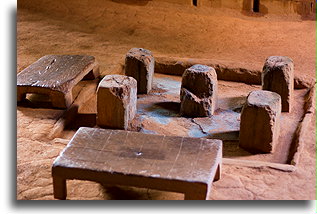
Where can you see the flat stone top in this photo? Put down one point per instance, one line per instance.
(57, 72)
(200, 68)
(263, 98)
(199, 80)
(139, 52)
(134, 153)
(116, 81)
(278, 61)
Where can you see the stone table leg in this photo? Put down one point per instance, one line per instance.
(60, 100)
(196, 195)
(218, 173)
(21, 94)
(59, 186)
(93, 74)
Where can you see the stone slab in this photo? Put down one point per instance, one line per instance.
(55, 76)
(116, 157)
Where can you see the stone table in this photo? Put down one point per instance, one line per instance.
(117, 157)
(55, 76)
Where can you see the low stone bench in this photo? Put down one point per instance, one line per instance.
(139, 64)
(278, 76)
(117, 157)
(260, 122)
(55, 76)
(198, 93)
(116, 101)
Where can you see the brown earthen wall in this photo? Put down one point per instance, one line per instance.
(284, 7)
(304, 8)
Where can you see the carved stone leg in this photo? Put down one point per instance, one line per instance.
(195, 195)
(20, 94)
(197, 192)
(59, 186)
(93, 74)
(218, 173)
(60, 100)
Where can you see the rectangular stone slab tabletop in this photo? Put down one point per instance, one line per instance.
(168, 163)
(56, 75)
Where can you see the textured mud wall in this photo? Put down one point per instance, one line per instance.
(305, 8)
(300, 7)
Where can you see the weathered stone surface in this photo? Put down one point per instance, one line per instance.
(116, 101)
(139, 64)
(116, 157)
(198, 92)
(260, 118)
(278, 76)
(55, 76)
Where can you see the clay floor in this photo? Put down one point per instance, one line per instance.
(107, 30)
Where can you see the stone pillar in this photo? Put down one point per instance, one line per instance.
(198, 93)
(139, 64)
(260, 118)
(278, 76)
(116, 101)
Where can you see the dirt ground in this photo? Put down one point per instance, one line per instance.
(107, 30)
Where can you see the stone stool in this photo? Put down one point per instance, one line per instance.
(56, 76)
(198, 93)
(278, 76)
(116, 101)
(260, 118)
(139, 64)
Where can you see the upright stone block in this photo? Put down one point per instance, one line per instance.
(278, 76)
(116, 101)
(260, 118)
(198, 93)
(139, 64)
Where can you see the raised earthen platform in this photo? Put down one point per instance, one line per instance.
(158, 113)
(175, 164)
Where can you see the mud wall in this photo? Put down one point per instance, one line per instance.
(304, 8)
(283, 7)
